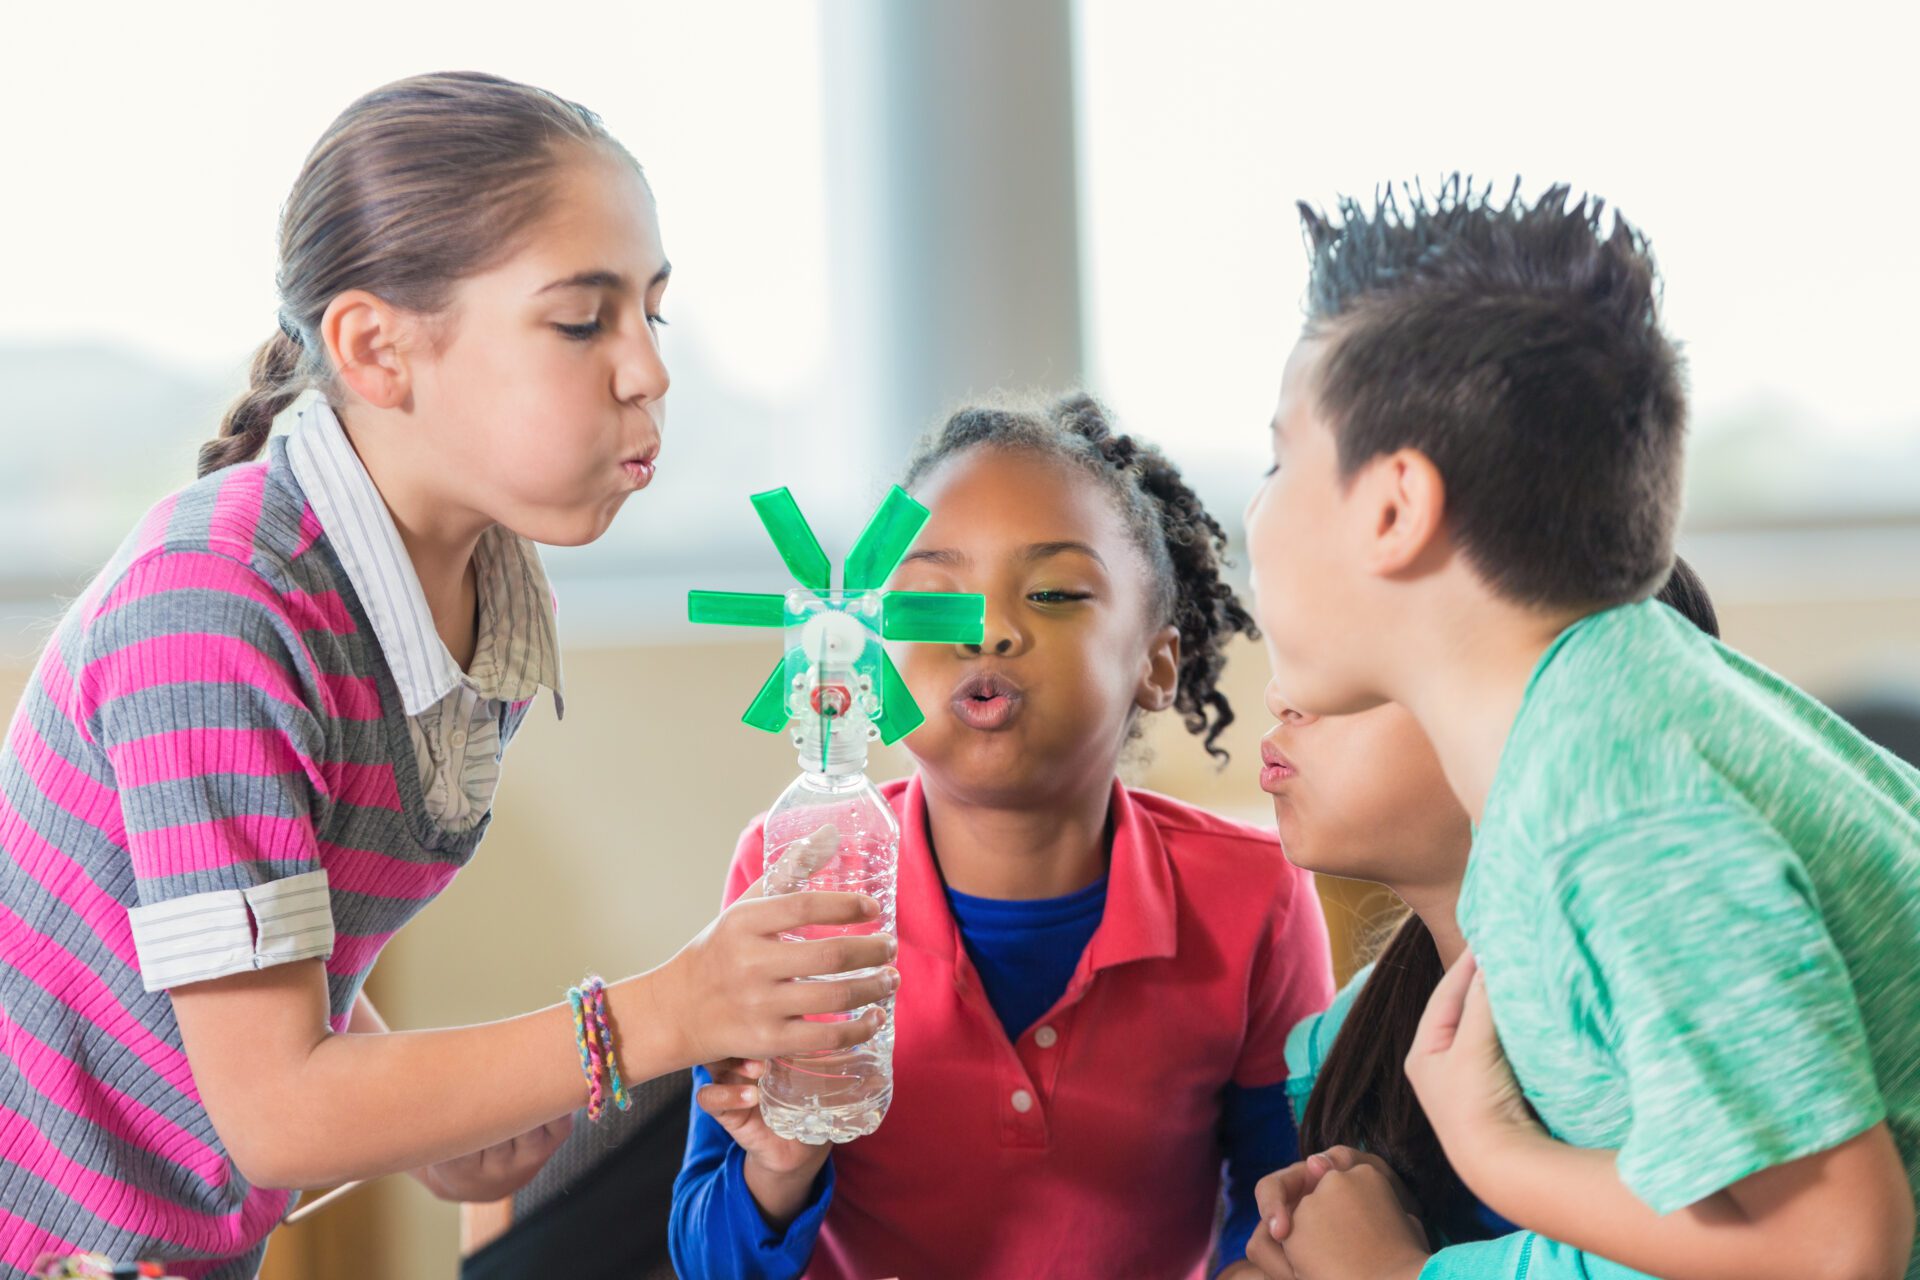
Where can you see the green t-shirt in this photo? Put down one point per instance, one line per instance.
(1696, 896)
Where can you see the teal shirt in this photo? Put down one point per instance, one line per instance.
(1523, 1255)
(1695, 893)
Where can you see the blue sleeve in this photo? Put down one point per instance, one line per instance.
(1522, 1256)
(717, 1231)
(1256, 1129)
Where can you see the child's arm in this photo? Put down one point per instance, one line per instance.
(1354, 1225)
(297, 1105)
(1846, 1212)
(748, 1204)
(491, 1173)
(1291, 995)
(1259, 1136)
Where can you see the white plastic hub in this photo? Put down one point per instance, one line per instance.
(832, 639)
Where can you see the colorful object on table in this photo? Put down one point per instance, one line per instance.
(835, 669)
(94, 1266)
(595, 1041)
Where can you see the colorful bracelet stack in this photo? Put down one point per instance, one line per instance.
(595, 1041)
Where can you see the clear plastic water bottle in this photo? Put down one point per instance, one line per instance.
(832, 830)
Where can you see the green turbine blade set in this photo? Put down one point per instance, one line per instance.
(834, 664)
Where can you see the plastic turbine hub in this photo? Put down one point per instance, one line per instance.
(835, 667)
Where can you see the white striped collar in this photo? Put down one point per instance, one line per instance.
(517, 645)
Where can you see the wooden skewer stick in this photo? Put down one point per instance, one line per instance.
(312, 1207)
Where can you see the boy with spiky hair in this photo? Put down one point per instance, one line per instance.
(1694, 893)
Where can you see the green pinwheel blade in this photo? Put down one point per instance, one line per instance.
(769, 709)
(881, 544)
(794, 539)
(736, 608)
(900, 715)
(933, 617)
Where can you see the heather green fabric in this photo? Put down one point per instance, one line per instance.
(1696, 896)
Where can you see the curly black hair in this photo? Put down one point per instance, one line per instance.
(1184, 545)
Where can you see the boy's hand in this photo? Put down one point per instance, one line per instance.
(497, 1171)
(1280, 1195)
(780, 1171)
(1355, 1225)
(1461, 1076)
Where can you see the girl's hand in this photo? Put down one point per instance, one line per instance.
(730, 993)
(734, 1100)
(780, 1171)
(1355, 1225)
(1281, 1193)
(497, 1171)
(1461, 1076)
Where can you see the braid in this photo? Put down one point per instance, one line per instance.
(1185, 547)
(1204, 609)
(272, 384)
(1081, 414)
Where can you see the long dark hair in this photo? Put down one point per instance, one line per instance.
(1362, 1097)
(413, 188)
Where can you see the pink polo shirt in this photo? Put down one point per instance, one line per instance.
(1088, 1147)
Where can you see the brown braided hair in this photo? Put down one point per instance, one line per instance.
(1184, 545)
(273, 381)
(414, 187)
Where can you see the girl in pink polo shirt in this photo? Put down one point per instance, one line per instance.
(1096, 982)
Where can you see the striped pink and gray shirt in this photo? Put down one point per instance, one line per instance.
(212, 770)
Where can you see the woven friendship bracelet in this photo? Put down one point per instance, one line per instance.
(601, 1037)
(583, 1039)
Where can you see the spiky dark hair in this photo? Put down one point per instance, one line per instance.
(1518, 345)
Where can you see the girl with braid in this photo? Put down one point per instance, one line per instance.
(270, 730)
(1096, 982)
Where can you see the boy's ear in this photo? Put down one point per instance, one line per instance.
(1407, 504)
(1160, 682)
(365, 337)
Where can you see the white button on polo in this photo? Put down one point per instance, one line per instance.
(1022, 1101)
(1046, 1037)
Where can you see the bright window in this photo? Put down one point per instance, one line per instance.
(140, 253)
(1764, 157)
